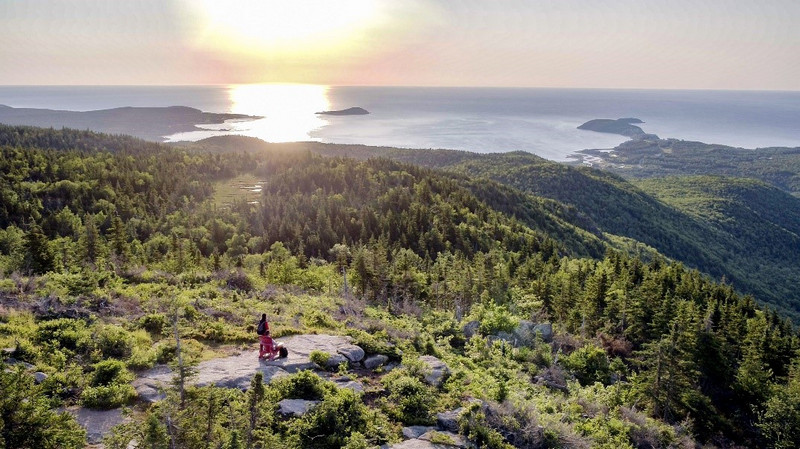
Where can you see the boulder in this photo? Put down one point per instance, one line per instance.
(471, 328)
(525, 333)
(39, 377)
(411, 432)
(375, 361)
(335, 360)
(448, 420)
(295, 407)
(506, 337)
(438, 370)
(545, 330)
(352, 352)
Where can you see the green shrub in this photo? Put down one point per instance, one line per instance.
(493, 318)
(318, 319)
(114, 341)
(28, 419)
(373, 343)
(165, 351)
(63, 383)
(142, 358)
(409, 401)
(108, 386)
(106, 397)
(67, 333)
(109, 372)
(332, 423)
(26, 351)
(589, 364)
(319, 357)
(303, 385)
(155, 323)
(475, 427)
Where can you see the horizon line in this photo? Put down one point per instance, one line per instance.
(684, 89)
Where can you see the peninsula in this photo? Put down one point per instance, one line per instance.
(623, 126)
(150, 123)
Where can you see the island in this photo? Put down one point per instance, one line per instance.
(348, 111)
(150, 123)
(623, 126)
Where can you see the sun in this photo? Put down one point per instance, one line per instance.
(270, 26)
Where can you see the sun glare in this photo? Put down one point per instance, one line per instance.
(295, 25)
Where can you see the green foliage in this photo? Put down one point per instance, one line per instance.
(133, 239)
(780, 421)
(319, 357)
(334, 421)
(474, 425)
(410, 401)
(302, 385)
(108, 387)
(589, 364)
(113, 341)
(494, 318)
(27, 418)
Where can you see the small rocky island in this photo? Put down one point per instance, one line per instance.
(623, 126)
(348, 111)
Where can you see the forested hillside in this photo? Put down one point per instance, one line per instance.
(651, 158)
(115, 258)
(603, 203)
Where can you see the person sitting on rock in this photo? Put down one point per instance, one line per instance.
(268, 347)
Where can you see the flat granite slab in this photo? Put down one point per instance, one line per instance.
(237, 371)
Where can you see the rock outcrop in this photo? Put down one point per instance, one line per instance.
(237, 371)
(98, 423)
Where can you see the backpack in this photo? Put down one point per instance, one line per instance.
(262, 328)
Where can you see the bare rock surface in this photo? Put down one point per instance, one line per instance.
(237, 371)
(295, 407)
(411, 432)
(97, 423)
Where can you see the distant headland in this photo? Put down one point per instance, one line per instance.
(348, 111)
(622, 126)
(146, 123)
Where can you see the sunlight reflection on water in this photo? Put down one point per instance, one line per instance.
(287, 111)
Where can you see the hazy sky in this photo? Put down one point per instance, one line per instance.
(702, 44)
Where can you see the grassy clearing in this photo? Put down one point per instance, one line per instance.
(246, 187)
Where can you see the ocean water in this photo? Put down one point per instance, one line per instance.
(540, 121)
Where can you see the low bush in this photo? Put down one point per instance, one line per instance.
(303, 385)
(319, 357)
(114, 342)
(67, 333)
(108, 386)
(589, 364)
(334, 422)
(409, 401)
(106, 397)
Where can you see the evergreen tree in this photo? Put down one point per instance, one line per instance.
(39, 259)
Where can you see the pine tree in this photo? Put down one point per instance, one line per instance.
(39, 259)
